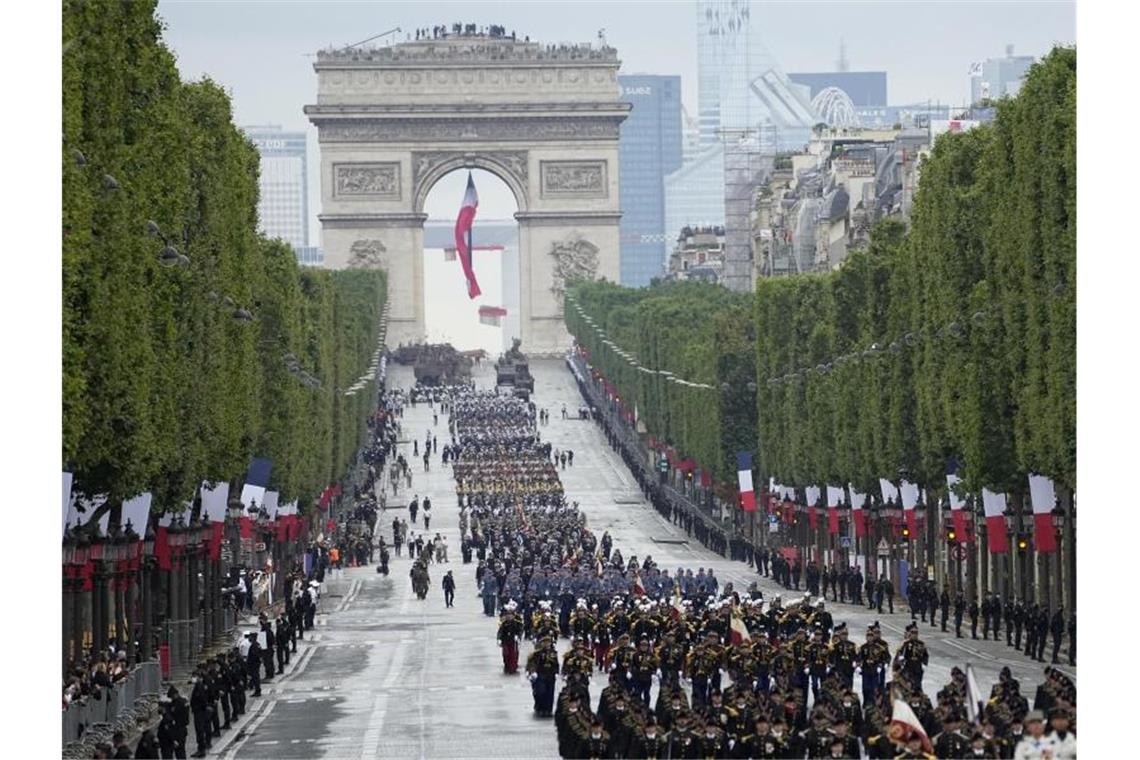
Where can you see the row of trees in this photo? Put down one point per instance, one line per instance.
(190, 343)
(700, 333)
(953, 341)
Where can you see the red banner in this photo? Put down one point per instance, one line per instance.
(162, 547)
(961, 532)
(997, 535)
(1044, 535)
(216, 529)
(811, 517)
(833, 520)
(860, 523)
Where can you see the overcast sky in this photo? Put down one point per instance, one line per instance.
(262, 51)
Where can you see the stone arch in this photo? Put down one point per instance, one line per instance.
(428, 167)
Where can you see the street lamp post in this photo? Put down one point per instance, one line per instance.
(98, 593)
(149, 590)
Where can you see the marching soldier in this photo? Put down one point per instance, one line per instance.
(761, 744)
(643, 665)
(510, 629)
(952, 742)
(912, 657)
(843, 656)
(542, 667)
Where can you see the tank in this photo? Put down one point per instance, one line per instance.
(513, 370)
(440, 364)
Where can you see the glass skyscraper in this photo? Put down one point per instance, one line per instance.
(283, 201)
(739, 83)
(649, 148)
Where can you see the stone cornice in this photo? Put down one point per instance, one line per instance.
(598, 108)
(372, 220)
(563, 218)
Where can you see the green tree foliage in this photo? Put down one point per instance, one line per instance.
(702, 334)
(162, 386)
(953, 340)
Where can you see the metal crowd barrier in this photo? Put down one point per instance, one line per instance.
(91, 720)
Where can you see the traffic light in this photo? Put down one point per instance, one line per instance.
(1022, 542)
(906, 533)
(950, 535)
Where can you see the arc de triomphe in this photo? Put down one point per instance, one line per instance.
(394, 120)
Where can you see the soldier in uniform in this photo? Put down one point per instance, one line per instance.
(987, 606)
(761, 743)
(870, 664)
(510, 629)
(596, 745)
(542, 667)
(843, 743)
(952, 742)
(649, 742)
(944, 602)
(671, 659)
(643, 665)
(571, 723)
(816, 740)
(912, 657)
(818, 657)
(974, 618)
(1031, 631)
(843, 656)
(711, 742)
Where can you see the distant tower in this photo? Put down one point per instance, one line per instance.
(841, 64)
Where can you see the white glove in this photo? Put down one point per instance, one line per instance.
(806, 671)
(533, 677)
(731, 743)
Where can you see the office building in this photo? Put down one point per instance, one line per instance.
(649, 148)
(995, 78)
(283, 202)
(865, 88)
(739, 83)
(694, 194)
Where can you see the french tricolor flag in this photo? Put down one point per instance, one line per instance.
(957, 503)
(463, 226)
(744, 475)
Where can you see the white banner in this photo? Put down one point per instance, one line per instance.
(993, 503)
(909, 493)
(834, 496)
(271, 504)
(251, 495)
(214, 501)
(1042, 495)
(812, 493)
(857, 498)
(66, 500)
(136, 511)
(890, 492)
(956, 501)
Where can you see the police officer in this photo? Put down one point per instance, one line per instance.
(179, 710)
(1008, 614)
(253, 664)
(200, 709)
(974, 618)
(945, 604)
(959, 610)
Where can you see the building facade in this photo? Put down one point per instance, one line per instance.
(995, 78)
(650, 147)
(283, 200)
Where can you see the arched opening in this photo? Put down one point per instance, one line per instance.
(491, 320)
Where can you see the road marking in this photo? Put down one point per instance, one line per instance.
(971, 651)
(271, 741)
